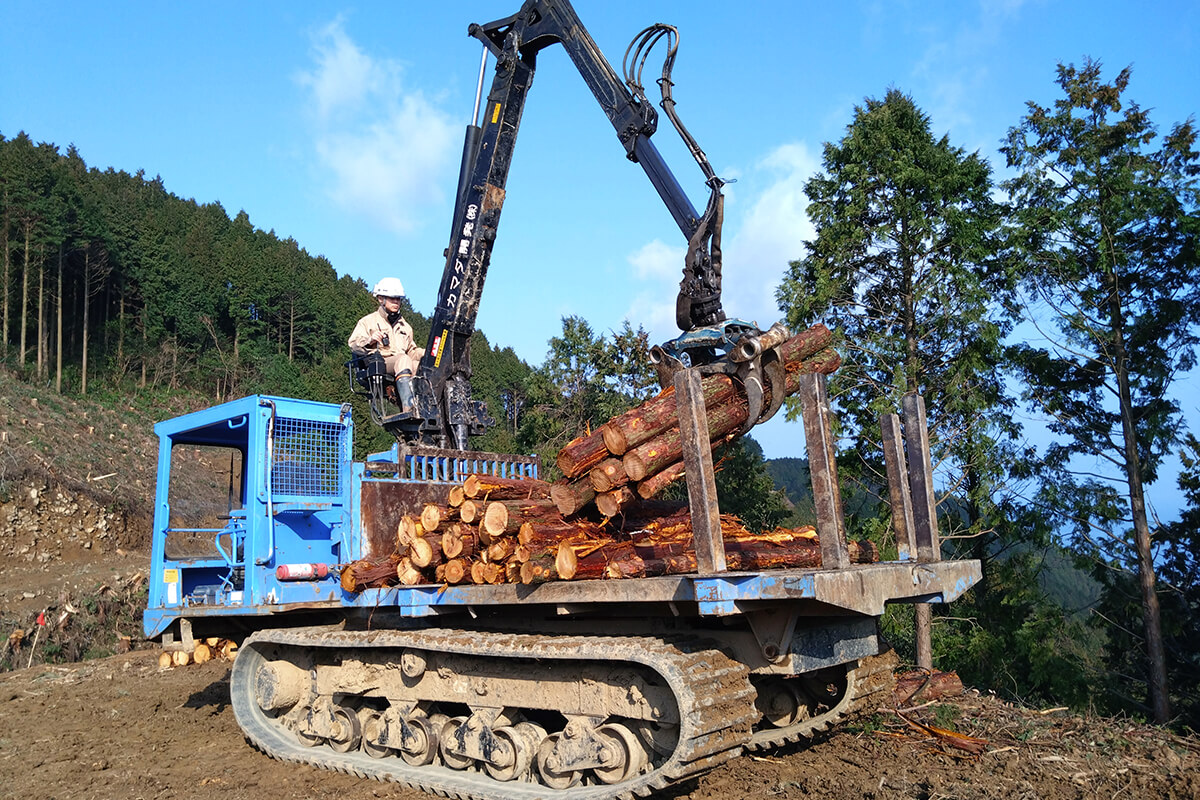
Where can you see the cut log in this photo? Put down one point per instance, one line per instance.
(570, 498)
(532, 510)
(656, 483)
(229, 650)
(581, 454)
(921, 687)
(657, 415)
(655, 455)
(565, 562)
(405, 532)
(608, 475)
(624, 562)
(512, 572)
(500, 550)
(495, 521)
(458, 541)
(477, 575)
(455, 571)
(425, 552)
(408, 574)
(202, 653)
(180, 658)
(431, 517)
(493, 487)
(470, 486)
(493, 573)
(455, 497)
(164, 660)
(544, 536)
(213, 641)
(610, 503)
(468, 512)
(538, 570)
(369, 573)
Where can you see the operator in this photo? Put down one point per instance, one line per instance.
(385, 332)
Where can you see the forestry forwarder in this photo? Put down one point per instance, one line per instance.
(443, 413)
(570, 689)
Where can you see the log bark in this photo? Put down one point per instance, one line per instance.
(652, 457)
(921, 687)
(570, 498)
(657, 415)
(581, 454)
(369, 573)
(654, 484)
(492, 487)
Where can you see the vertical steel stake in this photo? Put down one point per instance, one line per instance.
(698, 466)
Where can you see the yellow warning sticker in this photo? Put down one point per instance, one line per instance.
(495, 113)
(170, 576)
(441, 345)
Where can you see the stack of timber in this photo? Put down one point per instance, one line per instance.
(496, 530)
(639, 453)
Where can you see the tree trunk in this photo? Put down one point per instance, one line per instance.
(7, 276)
(87, 279)
(1151, 615)
(42, 345)
(58, 338)
(142, 380)
(25, 293)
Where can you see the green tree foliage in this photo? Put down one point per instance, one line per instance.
(585, 380)
(1105, 227)
(159, 289)
(907, 267)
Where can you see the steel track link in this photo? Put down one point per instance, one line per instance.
(712, 692)
(865, 684)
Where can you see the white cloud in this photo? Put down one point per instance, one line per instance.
(769, 234)
(759, 241)
(382, 147)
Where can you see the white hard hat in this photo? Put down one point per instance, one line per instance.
(389, 287)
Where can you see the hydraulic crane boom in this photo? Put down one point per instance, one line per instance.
(446, 414)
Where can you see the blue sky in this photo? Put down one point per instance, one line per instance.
(341, 125)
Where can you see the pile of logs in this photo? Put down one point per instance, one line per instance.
(639, 453)
(205, 650)
(504, 530)
(600, 520)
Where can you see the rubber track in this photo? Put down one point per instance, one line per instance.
(712, 692)
(865, 684)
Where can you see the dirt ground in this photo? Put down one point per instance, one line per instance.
(120, 726)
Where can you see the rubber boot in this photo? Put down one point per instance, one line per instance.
(404, 392)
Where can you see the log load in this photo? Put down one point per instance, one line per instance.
(600, 520)
(528, 539)
(643, 449)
